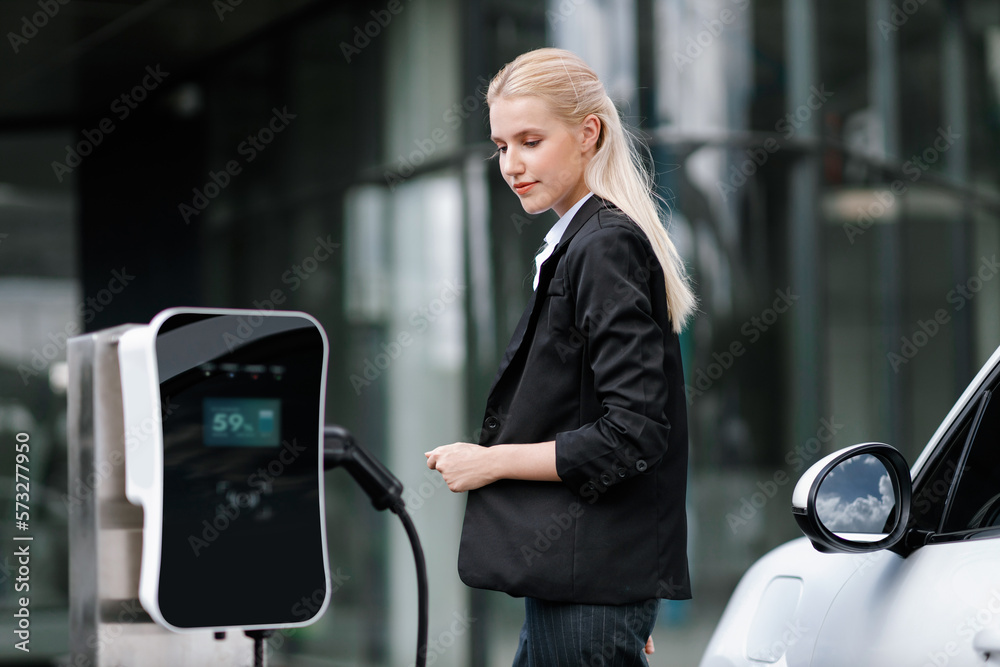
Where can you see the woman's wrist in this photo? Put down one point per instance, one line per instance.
(494, 461)
(532, 462)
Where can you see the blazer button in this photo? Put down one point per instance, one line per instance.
(621, 472)
(492, 423)
(605, 479)
(640, 465)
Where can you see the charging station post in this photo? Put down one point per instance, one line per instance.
(145, 472)
(108, 626)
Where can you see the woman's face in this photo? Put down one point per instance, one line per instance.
(541, 158)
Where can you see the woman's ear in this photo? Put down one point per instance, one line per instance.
(591, 132)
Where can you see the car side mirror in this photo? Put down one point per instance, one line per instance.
(856, 500)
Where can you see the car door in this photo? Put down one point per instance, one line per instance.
(935, 600)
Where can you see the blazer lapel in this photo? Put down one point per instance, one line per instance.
(530, 316)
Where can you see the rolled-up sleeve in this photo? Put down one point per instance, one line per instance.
(610, 273)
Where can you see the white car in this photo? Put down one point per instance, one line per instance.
(899, 568)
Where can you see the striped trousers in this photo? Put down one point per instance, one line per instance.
(559, 634)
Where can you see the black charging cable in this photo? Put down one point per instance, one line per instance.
(386, 492)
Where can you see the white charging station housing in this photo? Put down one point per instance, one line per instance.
(223, 414)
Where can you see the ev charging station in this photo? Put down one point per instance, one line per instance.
(197, 455)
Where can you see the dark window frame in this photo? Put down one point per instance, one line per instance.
(968, 422)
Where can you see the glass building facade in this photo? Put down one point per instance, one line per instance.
(832, 172)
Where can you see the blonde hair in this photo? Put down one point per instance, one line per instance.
(616, 172)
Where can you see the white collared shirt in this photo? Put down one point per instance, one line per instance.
(555, 235)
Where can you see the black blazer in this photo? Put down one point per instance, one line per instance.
(594, 365)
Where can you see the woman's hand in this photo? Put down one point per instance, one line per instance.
(649, 650)
(466, 466)
(463, 465)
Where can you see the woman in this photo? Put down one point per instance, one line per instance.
(577, 484)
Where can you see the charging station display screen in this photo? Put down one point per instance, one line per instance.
(241, 422)
(242, 539)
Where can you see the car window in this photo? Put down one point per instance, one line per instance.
(933, 485)
(975, 501)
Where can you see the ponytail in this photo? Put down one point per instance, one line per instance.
(616, 173)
